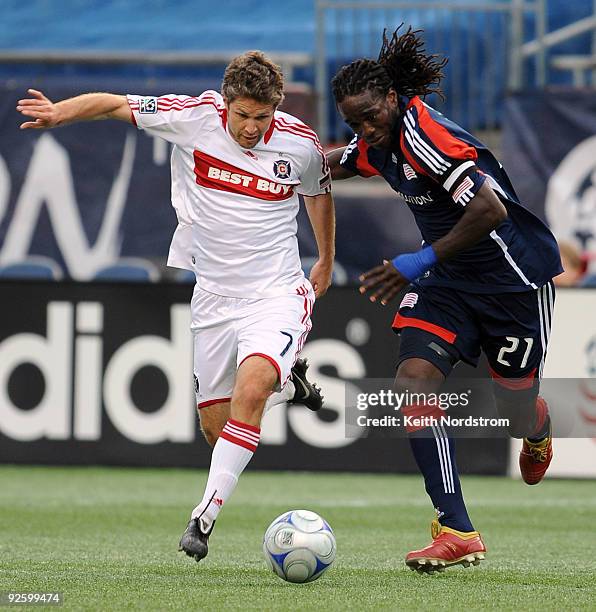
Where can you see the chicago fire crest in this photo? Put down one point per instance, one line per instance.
(282, 169)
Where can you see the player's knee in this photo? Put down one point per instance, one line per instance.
(252, 396)
(417, 375)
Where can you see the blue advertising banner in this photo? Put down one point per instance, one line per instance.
(549, 144)
(86, 196)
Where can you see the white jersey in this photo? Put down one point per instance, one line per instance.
(236, 207)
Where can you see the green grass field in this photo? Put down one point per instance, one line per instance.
(108, 539)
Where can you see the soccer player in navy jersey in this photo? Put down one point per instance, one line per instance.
(481, 281)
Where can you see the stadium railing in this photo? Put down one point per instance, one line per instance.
(493, 47)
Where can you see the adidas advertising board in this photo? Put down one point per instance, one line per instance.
(102, 374)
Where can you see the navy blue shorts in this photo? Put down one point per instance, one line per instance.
(444, 326)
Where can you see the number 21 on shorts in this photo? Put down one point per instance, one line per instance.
(512, 348)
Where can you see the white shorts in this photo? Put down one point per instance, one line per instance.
(228, 330)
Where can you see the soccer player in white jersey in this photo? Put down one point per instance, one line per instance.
(238, 165)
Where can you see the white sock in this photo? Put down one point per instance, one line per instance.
(231, 454)
(280, 397)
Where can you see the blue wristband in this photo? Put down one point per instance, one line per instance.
(414, 265)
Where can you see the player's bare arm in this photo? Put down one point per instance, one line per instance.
(321, 213)
(484, 213)
(44, 113)
(338, 172)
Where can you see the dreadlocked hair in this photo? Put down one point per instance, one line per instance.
(402, 64)
(412, 71)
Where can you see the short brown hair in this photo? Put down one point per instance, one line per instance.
(253, 75)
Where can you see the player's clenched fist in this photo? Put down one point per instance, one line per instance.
(40, 108)
(320, 277)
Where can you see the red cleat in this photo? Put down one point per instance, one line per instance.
(535, 457)
(449, 547)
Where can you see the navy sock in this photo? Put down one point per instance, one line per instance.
(435, 456)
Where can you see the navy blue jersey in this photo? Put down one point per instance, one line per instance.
(437, 169)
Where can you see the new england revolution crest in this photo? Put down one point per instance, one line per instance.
(282, 169)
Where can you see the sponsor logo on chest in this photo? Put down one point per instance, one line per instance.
(420, 200)
(214, 173)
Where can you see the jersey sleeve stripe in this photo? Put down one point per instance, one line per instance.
(442, 138)
(183, 100)
(300, 129)
(304, 131)
(450, 181)
(189, 102)
(413, 161)
(302, 135)
(290, 128)
(298, 126)
(411, 126)
(176, 106)
(426, 150)
(421, 156)
(186, 107)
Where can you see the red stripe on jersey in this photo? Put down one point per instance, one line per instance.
(299, 126)
(269, 132)
(291, 130)
(179, 107)
(362, 163)
(440, 136)
(302, 130)
(314, 139)
(214, 173)
(299, 130)
(176, 108)
(169, 99)
(406, 152)
(166, 102)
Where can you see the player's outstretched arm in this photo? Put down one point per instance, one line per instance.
(43, 113)
(321, 213)
(338, 172)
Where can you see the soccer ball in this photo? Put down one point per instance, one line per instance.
(299, 546)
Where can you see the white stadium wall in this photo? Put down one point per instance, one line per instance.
(572, 355)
